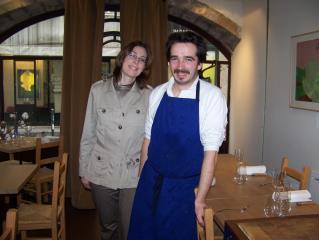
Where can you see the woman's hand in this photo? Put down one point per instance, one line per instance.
(199, 211)
(86, 183)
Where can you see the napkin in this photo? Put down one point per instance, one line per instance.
(250, 170)
(300, 196)
(295, 196)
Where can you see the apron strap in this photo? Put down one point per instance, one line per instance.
(197, 91)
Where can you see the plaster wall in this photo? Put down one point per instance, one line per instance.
(248, 83)
(288, 131)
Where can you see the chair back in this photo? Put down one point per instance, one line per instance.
(46, 145)
(58, 198)
(206, 232)
(10, 226)
(301, 176)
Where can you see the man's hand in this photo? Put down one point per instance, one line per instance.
(86, 183)
(199, 211)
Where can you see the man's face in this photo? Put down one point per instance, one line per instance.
(184, 63)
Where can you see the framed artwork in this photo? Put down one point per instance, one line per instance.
(27, 86)
(304, 90)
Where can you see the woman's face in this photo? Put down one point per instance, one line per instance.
(134, 62)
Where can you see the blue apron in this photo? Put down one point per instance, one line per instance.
(163, 207)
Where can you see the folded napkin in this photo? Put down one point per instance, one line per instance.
(295, 196)
(250, 170)
(300, 196)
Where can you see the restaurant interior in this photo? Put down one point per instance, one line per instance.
(51, 51)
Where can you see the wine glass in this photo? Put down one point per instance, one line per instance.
(28, 129)
(282, 197)
(241, 175)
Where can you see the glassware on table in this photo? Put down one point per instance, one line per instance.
(270, 208)
(28, 129)
(278, 204)
(241, 175)
(282, 198)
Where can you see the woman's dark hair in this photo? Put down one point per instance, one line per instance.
(140, 79)
(187, 37)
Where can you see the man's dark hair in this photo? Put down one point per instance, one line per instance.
(187, 37)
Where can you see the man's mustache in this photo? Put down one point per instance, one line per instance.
(177, 71)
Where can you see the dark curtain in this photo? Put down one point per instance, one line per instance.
(82, 59)
(147, 21)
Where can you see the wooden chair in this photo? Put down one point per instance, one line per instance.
(43, 216)
(301, 177)
(206, 232)
(10, 226)
(39, 184)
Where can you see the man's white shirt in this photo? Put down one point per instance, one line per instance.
(212, 111)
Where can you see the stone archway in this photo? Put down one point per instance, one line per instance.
(210, 23)
(207, 21)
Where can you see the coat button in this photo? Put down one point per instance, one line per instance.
(137, 160)
(98, 158)
(138, 111)
(103, 110)
(120, 126)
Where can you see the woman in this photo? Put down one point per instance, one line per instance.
(112, 137)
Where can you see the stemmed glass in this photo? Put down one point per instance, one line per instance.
(278, 204)
(241, 176)
(28, 129)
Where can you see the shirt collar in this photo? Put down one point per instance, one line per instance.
(191, 89)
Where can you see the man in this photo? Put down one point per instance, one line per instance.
(184, 129)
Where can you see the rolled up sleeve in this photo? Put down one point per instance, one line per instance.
(214, 121)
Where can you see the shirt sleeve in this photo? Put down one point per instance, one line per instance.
(214, 121)
(88, 138)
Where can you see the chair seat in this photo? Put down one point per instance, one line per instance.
(34, 216)
(50, 217)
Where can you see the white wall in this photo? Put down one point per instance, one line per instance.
(288, 131)
(261, 121)
(248, 83)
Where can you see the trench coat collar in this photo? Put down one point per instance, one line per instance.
(109, 87)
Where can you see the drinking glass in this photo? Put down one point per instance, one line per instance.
(28, 129)
(241, 175)
(282, 198)
(270, 208)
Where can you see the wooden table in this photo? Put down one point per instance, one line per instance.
(304, 227)
(13, 176)
(19, 145)
(252, 195)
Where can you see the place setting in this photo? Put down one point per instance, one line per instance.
(284, 197)
(244, 171)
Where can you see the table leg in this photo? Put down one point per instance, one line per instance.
(11, 156)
